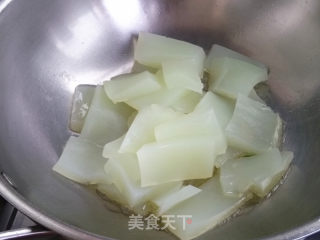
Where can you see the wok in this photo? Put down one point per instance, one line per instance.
(49, 47)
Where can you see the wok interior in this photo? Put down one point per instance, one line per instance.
(49, 47)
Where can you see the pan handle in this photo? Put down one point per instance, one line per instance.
(28, 232)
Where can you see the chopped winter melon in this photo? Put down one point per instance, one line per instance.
(129, 86)
(82, 98)
(187, 103)
(204, 211)
(223, 107)
(264, 187)
(218, 51)
(141, 130)
(183, 74)
(152, 50)
(163, 97)
(171, 199)
(252, 127)
(111, 148)
(176, 160)
(201, 122)
(124, 174)
(258, 173)
(231, 77)
(82, 162)
(231, 153)
(105, 120)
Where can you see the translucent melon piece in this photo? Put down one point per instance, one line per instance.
(152, 50)
(264, 187)
(176, 160)
(187, 103)
(231, 153)
(164, 97)
(206, 210)
(183, 74)
(252, 127)
(82, 162)
(193, 125)
(223, 107)
(218, 51)
(141, 130)
(230, 77)
(277, 137)
(111, 149)
(129, 86)
(124, 175)
(201, 122)
(105, 120)
(171, 199)
(81, 102)
(258, 173)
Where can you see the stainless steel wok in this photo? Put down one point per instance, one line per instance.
(49, 47)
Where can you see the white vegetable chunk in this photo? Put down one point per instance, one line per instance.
(258, 173)
(124, 174)
(231, 153)
(171, 199)
(82, 162)
(218, 51)
(187, 103)
(141, 130)
(206, 210)
(230, 77)
(201, 122)
(111, 149)
(164, 97)
(252, 127)
(176, 160)
(183, 74)
(152, 50)
(105, 120)
(129, 86)
(223, 107)
(82, 98)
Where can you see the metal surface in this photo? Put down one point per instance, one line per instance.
(25, 233)
(48, 47)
